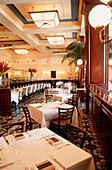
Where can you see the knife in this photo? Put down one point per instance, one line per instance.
(6, 140)
(4, 166)
(54, 159)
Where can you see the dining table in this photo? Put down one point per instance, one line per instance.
(44, 112)
(54, 90)
(62, 97)
(41, 149)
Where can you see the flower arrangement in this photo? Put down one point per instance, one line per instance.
(32, 71)
(3, 67)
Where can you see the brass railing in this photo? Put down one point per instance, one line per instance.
(101, 92)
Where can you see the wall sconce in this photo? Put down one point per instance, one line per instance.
(107, 2)
(99, 18)
(17, 72)
(61, 73)
(76, 70)
(46, 73)
(79, 62)
(110, 63)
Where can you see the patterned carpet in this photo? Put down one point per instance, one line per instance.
(93, 143)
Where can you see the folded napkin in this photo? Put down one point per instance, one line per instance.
(44, 132)
(45, 165)
(19, 136)
(53, 140)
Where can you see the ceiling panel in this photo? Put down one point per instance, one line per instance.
(17, 27)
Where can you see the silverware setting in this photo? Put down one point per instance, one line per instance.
(60, 164)
(59, 147)
(6, 140)
(1, 148)
(5, 165)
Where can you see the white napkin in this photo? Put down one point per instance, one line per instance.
(45, 133)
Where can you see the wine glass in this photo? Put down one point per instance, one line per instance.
(11, 132)
(18, 146)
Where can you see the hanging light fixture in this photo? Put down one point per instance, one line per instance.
(21, 51)
(45, 19)
(99, 18)
(56, 39)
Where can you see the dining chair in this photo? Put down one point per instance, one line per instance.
(64, 116)
(17, 126)
(49, 97)
(24, 94)
(65, 89)
(74, 88)
(29, 121)
(74, 100)
(54, 92)
(75, 135)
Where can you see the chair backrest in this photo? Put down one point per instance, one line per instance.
(75, 134)
(54, 92)
(49, 97)
(24, 91)
(65, 114)
(46, 91)
(66, 89)
(29, 89)
(17, 126)
(27, 114)
(33, 89)
(74, 100)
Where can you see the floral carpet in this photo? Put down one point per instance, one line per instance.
(93, 143)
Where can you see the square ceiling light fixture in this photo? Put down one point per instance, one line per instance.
(56, 39)
(46, 19)
(21, 51)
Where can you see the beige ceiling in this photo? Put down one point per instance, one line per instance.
(14, 32)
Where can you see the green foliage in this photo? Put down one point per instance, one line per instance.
(76, 50)
(110, 50)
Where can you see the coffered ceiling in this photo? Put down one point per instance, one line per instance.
(18, 30)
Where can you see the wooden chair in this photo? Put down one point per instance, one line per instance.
(29, 120)
(17, 126)
(74, 100)
(64, 116)
(75, 135)
(49, 97)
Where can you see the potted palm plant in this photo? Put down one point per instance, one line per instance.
(76, 50)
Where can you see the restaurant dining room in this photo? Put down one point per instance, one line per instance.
(56, 84)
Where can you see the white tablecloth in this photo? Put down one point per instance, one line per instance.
(46, 112)
(34, 149)
(62, 97)
(53, 90)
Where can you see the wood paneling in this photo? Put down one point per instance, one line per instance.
(102, 116)
(90, 107)
(96, 54)
(97, 112)
(5, 101)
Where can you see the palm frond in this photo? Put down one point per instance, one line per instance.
(76, 51)
(73, 62)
